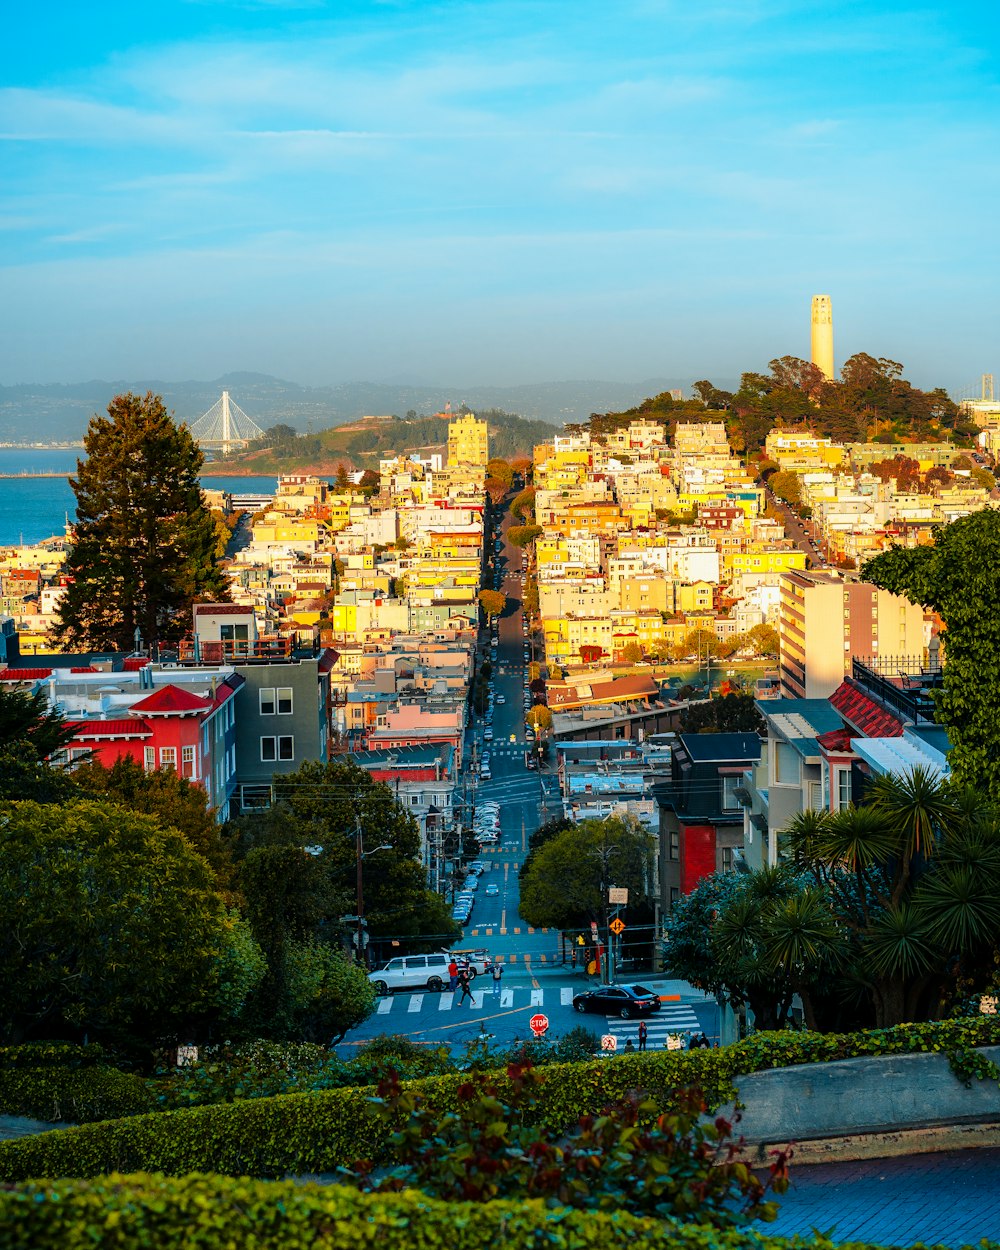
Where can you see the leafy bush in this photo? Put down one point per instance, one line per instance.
(215, 1212)
(673, 1166)
(258, 1069)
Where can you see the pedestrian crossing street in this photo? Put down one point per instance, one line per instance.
(672, 1017)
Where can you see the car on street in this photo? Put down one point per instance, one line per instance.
(618, 1000)
(411, 972)
(492, 890)
(488, 735)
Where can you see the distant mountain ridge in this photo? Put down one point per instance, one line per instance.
(59, 412)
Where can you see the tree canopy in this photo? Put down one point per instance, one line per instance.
(569, 872)
(25, 716)
(113, 929)
(959, 578)
(144, 544)
(493, 602)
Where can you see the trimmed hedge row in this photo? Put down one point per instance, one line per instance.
(317, 1132)
(215, 1213)
(76, 1095)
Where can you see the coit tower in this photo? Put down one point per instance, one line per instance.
(822, 335)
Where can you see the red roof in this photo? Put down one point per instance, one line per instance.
(25, 674)
(171, 700)
(863, 713)
(126, 727)
(836, 740)
(84, 668)
(134, 663)
(221, 609)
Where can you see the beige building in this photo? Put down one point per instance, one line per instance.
(468, 442)
(825, 622)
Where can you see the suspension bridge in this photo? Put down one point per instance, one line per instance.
(225, 426)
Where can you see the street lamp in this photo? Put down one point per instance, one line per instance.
(360, 856)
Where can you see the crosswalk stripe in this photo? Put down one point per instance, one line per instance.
(385, 1006)
(477, 999)
(506, 998)
(446, 1001)
(566, 995)
(416, 1001)
(537, 998)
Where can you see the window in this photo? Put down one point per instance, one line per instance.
(187, 762)
(253, 798)
(234, 633)
(280, 748)
(150, 759)
(786, 765)
(284, 700)
(727, 859)
(729, 800)
(267, 705)
(168, 757)
(674, 847)
(816, 796)
(843, 789)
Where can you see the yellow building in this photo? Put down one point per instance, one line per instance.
(468, 442)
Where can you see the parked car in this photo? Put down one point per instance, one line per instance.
(476, 961)
(411, 972)
(618, 1000)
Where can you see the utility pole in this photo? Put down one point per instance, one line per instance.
(362, 949)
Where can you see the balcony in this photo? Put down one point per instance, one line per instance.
(903, 684)
(235, 651)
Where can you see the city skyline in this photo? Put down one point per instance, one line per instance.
(493, 192)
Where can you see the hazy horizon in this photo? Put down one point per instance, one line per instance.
(494, 192)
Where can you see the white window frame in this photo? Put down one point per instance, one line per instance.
(284, 739)
(168, 757)
(284, 694)
(189, 766)
(266, 695)
(149, 759)
(264, 757)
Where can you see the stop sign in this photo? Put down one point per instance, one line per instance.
(538, 1024)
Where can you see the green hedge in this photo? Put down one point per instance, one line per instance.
(61, 1081)
(216, 1213)
(317, 1132)
(75, 1095)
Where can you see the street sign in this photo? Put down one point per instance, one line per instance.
(617, 895)
(593, 927)
(538, 1024)
(609, 1042)
(616, 926)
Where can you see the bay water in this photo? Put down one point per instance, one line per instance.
(33, 508)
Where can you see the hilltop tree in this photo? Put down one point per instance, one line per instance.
(523, 535)
(523, 505)
(501, 470)
(144, 543)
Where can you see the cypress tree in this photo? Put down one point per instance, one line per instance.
(143, 551)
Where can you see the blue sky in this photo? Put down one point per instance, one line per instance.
(494, 192)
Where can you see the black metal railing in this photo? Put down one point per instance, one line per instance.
(912, 694)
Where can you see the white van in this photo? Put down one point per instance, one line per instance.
(412, 972)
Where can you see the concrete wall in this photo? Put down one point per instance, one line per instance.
(857, 1096)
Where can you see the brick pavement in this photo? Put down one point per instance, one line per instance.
(951, 1198)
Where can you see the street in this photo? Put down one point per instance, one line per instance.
(540, 973)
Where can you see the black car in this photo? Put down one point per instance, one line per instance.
(618, 1000)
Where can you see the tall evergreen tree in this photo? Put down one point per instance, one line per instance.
(144, 545)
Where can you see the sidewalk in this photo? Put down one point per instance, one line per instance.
(951, 1199)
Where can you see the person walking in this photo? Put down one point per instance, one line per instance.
(497, 974)
(463, 985)
(642, 1034)
(452, 976)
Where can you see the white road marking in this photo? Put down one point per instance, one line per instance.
(385, 1005)
(446, 1000)
(566, 995)
(415, 1002)
(537, 998)
(477, 999)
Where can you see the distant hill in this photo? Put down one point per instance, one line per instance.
(361, 444)
(60, 412)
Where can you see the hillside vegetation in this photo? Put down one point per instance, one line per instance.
(362, 444)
